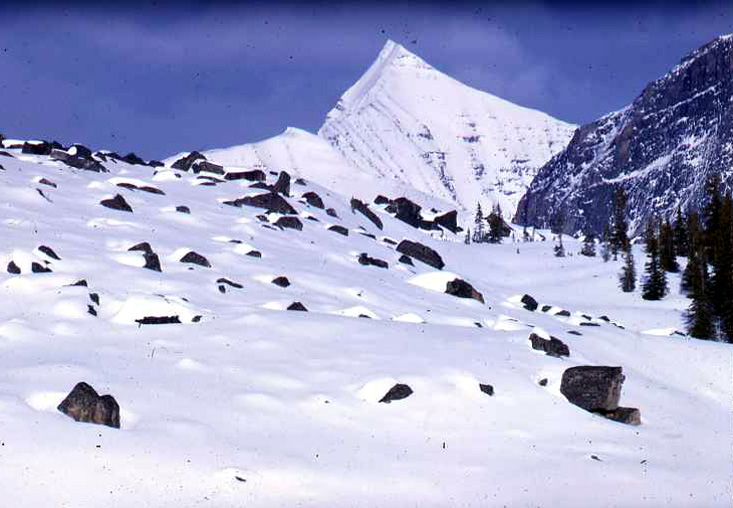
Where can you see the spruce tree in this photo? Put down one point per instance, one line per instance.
(496, 225)
(695, 254)
(667, 254)
(699, 318)
(620, 233)
(558, 226)
(627, 279)
(467, 239)
(478, 220)
(680, 235)
(655, 285)
(605, 243)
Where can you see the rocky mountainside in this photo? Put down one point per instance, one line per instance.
(406, 121)
(660, 149)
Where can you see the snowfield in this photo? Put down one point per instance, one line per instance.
(254, 405)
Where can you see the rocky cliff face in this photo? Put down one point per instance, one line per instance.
(660, 149)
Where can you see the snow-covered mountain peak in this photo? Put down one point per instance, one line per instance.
(405, 120)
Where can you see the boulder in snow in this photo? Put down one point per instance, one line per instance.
(196, 259)
(313, 199)
(397, 392)
(421, 253)
(487, 389)
(84, 404)
(529, 303)
(282, 186)
(593, 388)
(552, 347)
(270, 201)
(185, 163)
(116, 203)
(297, 306)
(365, 260)
(366, 212)
(289, 223)
(462, 289)
(281, 281)
(339, 229)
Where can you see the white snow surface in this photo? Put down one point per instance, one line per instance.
(259, 406)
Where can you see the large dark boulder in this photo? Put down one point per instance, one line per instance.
(84, 404)
(487, 389)
(313, 199)
(48, 251)
(281, 281)
(133, 159)
(13, 268)
(593, 388)
(529, 303)
(421, 253)
(196, 259)
(449, 221)
(297, 306)
(117, 203)
(87, 163)
(159, 320)
(78, 150)
(552, 347)
(208, 167)
(365, 260)
(339, 229)
(282, 186)
(397, 392)
(37, 148)
(627, 415)
(406, 211)
(462, 289)
(270, 201)
(289, 223)
(39, 268)
(363, 209)
(256, 175)
(185, 163)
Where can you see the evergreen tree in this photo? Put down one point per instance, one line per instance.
(605, 243)
(558, 226)
(655, 285)
(680, 235)
(667, 254)
(627, 279)
(695, 254)
(467, 239)
(496, 225)
(699, 318)
(711, 212)
(721, 283)
(620, 233)
(589, 245)
(478, 233)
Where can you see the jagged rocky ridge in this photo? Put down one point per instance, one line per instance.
(660, 149)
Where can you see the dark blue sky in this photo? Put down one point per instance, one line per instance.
(158, 79)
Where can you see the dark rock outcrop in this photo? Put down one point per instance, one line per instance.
(331, 213)
(421, 253)
(117, 203)
(13, 268)
(185, 163)
(593, 388)
(449, 221)
(282, 186)
(281, 281)
(159, 320)
(183, 209)
(223, 280)
(339, 229)
(270, 201)
(48, 251)
(407, 260)
(462, 289)
(208, 167)
(487, 389)
(365, 260)
(406, 211)
(529, 303)
(39, 148)
(289, 223)
(196, 259)
(363, 209)
(552, 347)
(297, 306)
(39, 268)
(627, 415)
(397, 392)
(84, 404)
(313, 199)
(255, 175)
(133, 159)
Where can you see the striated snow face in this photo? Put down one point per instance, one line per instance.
(406, 121)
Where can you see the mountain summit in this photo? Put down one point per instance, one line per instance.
(404, 120)
(660, 149)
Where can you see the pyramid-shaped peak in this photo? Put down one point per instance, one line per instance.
(395, 54)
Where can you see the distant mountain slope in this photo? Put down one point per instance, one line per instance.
(661, 149)
(406, 121)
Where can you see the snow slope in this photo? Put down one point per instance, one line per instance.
(306, 155)
(406, 121)
(259, 406)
